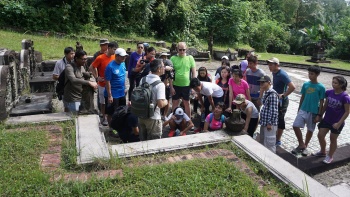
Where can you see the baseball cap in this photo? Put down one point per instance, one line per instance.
(240, 98)
(274, 60)
(179, 112)
(121, 52)
(264, 79)
(104, 41)
(224, 57)
(164, 54)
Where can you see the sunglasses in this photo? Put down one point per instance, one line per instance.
(140, 47)
(182, 49)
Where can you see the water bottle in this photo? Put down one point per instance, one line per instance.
(202, 117)
(151, 109)
(177, 132)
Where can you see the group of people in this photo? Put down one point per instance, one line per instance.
(245, 87)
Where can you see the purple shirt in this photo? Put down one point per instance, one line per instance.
(335, 108)
(134, 57)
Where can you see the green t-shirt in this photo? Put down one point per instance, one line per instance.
(313, 93)
(182, 67)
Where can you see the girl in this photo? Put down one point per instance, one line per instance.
(237, 86)
(203, 75)
(223, 83)
(249, 113)
(216, 120)
(224, 63)
(336, 108)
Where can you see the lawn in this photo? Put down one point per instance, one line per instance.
(21, 174)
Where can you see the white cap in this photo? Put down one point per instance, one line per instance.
(224, 57)
(179, 112)
(164, 54)
(274, 60)
(121, 52)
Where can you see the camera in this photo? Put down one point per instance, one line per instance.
(144, 61)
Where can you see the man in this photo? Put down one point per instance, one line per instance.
(151, 128)
(185, 69)
(167, 80)
(269, 114)
(178, 121)
(74, 81)
(115, 78)
(103, 48)
(134, 58)
(253, 74)
(97, 69)
(61, 64)
(284, 87)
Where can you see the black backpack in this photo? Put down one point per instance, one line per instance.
(142, 99)
(119, 118)
(60, 85)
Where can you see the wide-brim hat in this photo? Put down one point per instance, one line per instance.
(104, 41)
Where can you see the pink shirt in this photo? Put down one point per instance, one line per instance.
(238, 88)
(214, 124)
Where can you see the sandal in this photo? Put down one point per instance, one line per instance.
(319, 154)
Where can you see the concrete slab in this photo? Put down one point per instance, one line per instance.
(281, 168)
(40, 103)
(342, 190)
(39, 118)
(169, 144)
(91, 143)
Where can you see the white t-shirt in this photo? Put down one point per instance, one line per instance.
(211, 89)
(60, 66)
(158, 93)
(178, 121)
(255, 112)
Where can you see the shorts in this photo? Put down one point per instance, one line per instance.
(182, 92)
(282, 110)
(111, 107)
(150, 129)
(101, 95)
(324, 124)
(304, 117)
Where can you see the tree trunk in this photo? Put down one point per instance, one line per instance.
(211, 43)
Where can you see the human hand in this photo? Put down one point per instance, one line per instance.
(269, 127)
(172, 91)
(336, 125)
(229, 110)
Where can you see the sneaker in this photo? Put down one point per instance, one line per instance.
(104, 122)
(192, 128)
(197, 130)
(305, 152)
(278, 143)
(184, 134)
(328, 160)
(171, 133)
(297, 150)
(319, 154)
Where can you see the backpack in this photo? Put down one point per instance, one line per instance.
(119, 118)
(61, 84)
(212, 116)
(142, 99)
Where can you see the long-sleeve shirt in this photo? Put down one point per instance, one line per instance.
(74, 82)
(269, 111)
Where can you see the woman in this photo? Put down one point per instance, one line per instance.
(215, 120)
(249, 113)
(237, 86)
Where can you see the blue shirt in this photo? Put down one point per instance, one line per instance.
(115, 74)
(280, 81)
(313, 93)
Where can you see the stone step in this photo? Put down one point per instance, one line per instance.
(169, 144)
(90, 141)
(281, 168)
(39, 118)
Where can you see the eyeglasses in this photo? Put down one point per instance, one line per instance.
(84, 59)
(182, 49)
(140, 47)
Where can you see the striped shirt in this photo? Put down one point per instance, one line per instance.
(269, 111)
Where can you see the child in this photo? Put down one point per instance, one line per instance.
(216, 120)
(269, 114)
(223, 83)
(336, 108)
(237, 86)
(249, 113)
(178, 120)
(310, 106)
(224, 63)
(203, 75)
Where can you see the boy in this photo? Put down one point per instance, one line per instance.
(310, 108)
(178, 120)
(269, 114)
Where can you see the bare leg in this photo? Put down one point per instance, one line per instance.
(299, 136)
(308, 137)
(187, 107)
(321, 138)
(333, 145)
(279, 134)
(175, 104)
